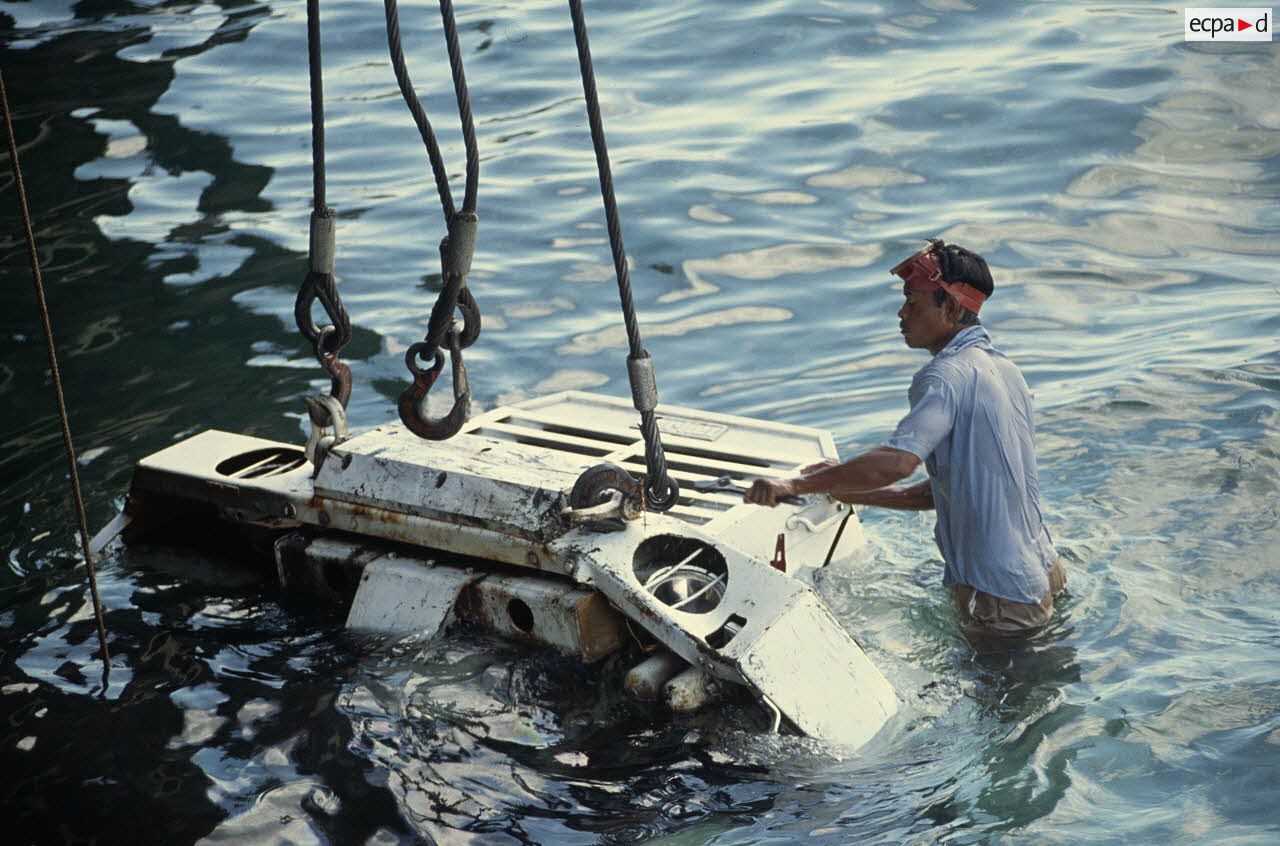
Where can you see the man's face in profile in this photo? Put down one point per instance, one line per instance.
(922, 322)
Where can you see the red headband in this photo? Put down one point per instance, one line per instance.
(920, 272)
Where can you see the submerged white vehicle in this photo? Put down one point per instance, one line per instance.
(488, 526)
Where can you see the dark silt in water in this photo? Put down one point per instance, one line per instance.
(773, 160)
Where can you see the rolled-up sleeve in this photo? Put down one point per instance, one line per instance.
(929, 421)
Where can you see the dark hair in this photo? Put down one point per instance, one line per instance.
(960, 265)
(967, 318)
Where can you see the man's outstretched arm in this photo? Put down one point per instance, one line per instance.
(869, 472)
(917, 497)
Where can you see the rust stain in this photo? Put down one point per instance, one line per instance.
(471, 607)
(678, 699)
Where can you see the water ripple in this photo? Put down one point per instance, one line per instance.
(771, 163)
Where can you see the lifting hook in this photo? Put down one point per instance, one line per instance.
(413, 400)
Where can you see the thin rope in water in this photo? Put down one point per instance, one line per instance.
(57, 380)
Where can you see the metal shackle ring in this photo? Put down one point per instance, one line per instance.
(328, 342)
(661, 500)
(411, 357)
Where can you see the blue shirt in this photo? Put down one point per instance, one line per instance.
(971, 424)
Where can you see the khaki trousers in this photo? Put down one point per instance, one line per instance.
(983, 614)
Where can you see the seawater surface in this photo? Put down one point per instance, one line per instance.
(772, 160)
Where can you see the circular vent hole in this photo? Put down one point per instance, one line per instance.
(261, 463)
(521, 615)
(685, 574)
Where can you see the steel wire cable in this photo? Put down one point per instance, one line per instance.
(415, 107)
(455, 251)
(320, 284)
(464, 105)
(661, 490)
(315, 69)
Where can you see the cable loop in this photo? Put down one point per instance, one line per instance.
(471, 317)
(333, 335)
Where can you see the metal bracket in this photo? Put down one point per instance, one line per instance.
(644, 386)
(459, 246)
(775, 722)
(616, 506)
(825, 503)
(328, 429)
(322, 241)
(587, 496)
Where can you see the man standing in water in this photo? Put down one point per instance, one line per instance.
(971, 424)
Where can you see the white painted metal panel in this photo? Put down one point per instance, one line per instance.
(787, 646)
(815, 673)
(510, 488)
(406, 597)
